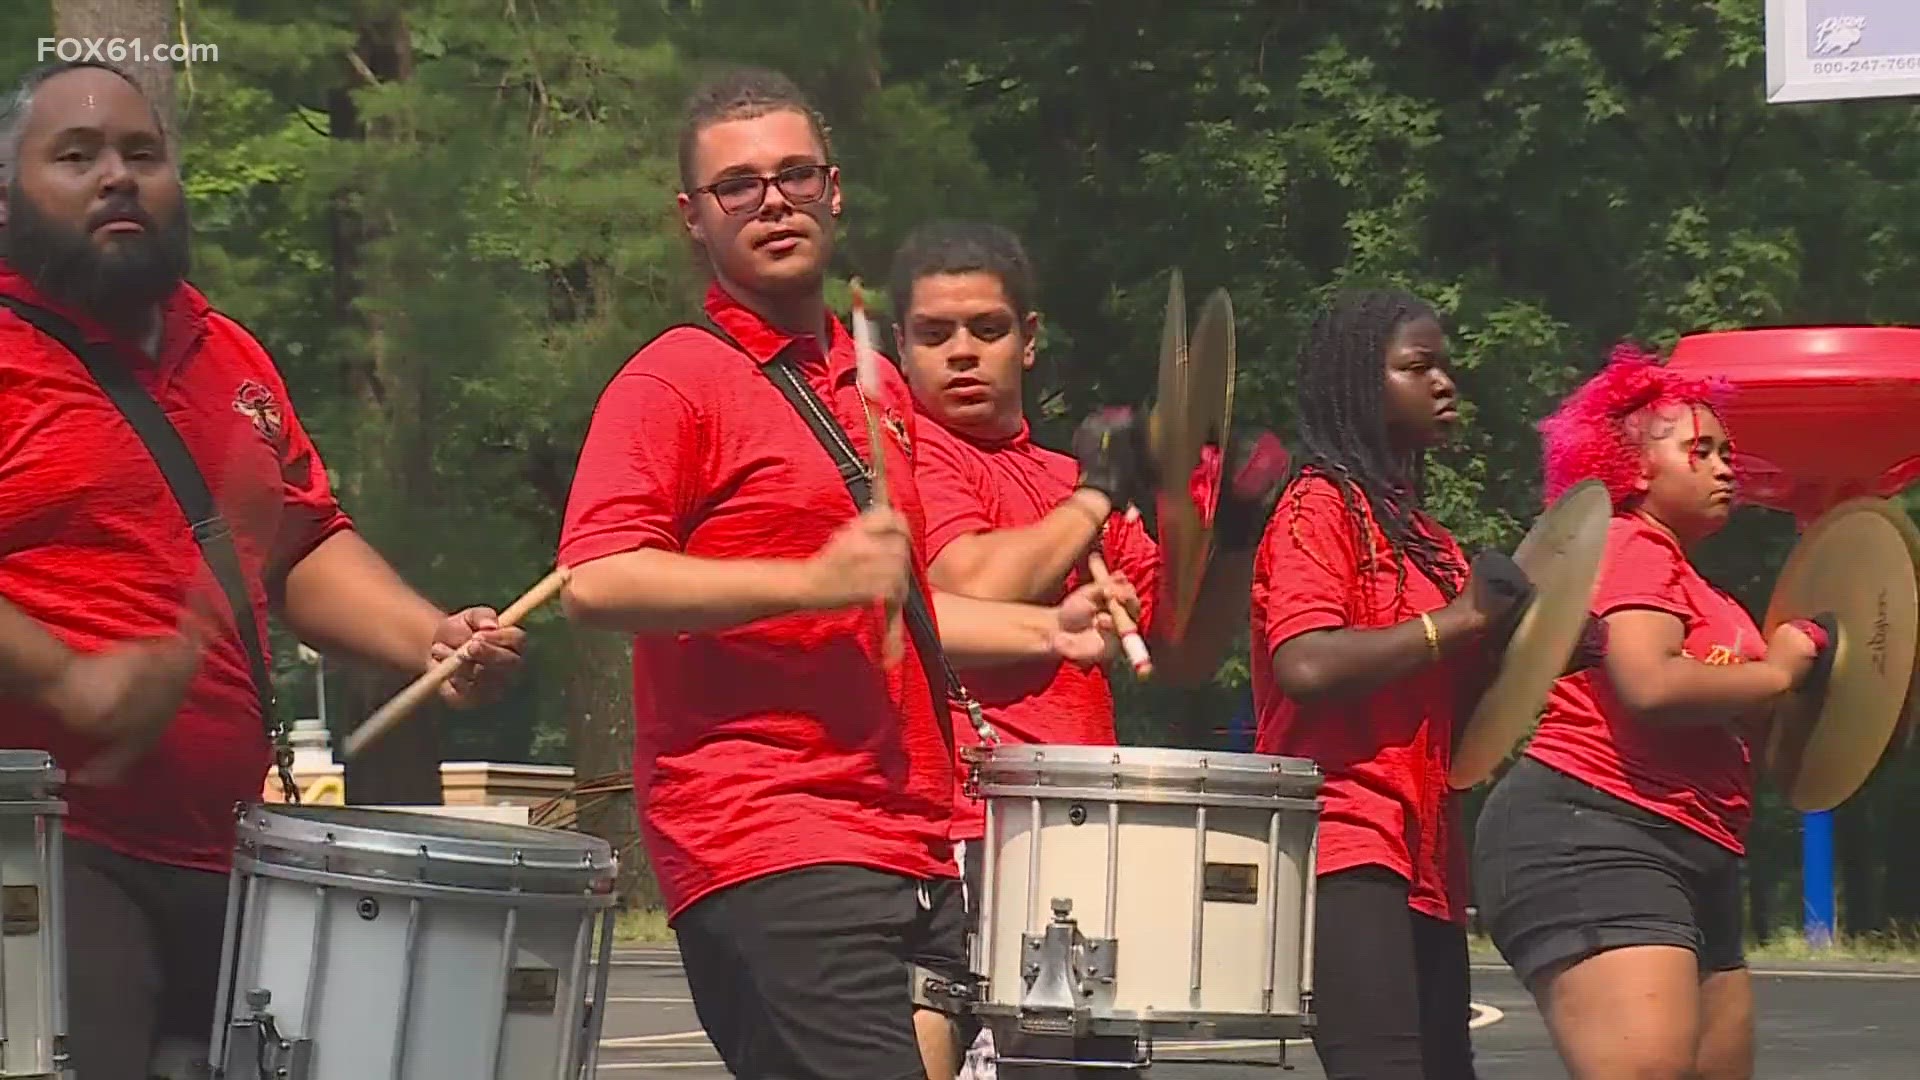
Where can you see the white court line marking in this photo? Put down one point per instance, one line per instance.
(1780, 973)
(1483, 1016)
(649, 1001)
(628, 1042)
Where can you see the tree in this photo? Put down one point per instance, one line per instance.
(126, 33)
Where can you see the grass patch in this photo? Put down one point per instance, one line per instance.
(642, 926)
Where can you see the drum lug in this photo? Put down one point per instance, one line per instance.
(1062, 968)
(257, 1051)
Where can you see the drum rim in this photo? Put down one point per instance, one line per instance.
(1021, 754)
(28, 773)
(364, 833)
(1121, 768)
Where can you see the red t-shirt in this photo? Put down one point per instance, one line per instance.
(1699, 777)
(973, 487)
(1385, 801)
(94, 547)
(782, 743)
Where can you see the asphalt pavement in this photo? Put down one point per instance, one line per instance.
(1815, 1022)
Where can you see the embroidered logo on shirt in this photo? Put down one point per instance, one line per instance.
(257, 403)
(898, 427)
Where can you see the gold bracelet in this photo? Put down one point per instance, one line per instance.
(1433, 634)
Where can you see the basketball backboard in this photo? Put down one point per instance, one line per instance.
(1833, 50)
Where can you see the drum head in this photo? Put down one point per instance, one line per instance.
(1561, 556)
(1856, 565)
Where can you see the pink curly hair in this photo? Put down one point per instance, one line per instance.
(1595, 434)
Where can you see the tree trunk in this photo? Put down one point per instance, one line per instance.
(112, 26)
(599, 712)
(403, 767)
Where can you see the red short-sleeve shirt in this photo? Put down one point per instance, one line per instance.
(1385, 801)
(782, 743)
(972, 486)
(94, 547)
(1699, 777)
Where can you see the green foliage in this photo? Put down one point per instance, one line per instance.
(1553, 176)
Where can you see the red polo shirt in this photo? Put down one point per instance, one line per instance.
(1385, 757)
(782, 743)
(1699, 777)
(971, 486)
(94, 547)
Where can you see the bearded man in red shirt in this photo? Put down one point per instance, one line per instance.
(119, 654)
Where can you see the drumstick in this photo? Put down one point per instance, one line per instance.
(867, 368)
(1130, 639)
(403, 703)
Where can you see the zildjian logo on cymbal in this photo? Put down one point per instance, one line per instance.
(1877, 644)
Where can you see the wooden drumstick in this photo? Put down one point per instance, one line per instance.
(417, 692)
(867, 374)
(1130, 640)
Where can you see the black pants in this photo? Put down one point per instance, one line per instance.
(143, 958)
(1566, 871)
(1390, 986)
(806, 975)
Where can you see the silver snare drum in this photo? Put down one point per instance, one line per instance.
(1139, 891)
(33, 947)
(368, 944)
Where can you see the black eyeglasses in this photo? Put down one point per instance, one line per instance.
(746, 194)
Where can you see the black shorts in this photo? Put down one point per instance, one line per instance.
(807, 974)
(143, 959)
(1392, 990)
(1565, 871)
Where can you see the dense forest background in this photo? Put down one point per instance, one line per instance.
(451, 222)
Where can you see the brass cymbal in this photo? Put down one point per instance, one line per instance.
(1206, 403)
(1856, 565)
(1561, 556)
(1910, 720)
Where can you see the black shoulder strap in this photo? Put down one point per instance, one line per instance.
(786, 378)
(182, 474)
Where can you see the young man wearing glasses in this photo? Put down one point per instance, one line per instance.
(795, 790)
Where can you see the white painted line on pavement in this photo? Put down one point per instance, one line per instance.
(1779, 973)
(1483, 1016)
(628, 1042)
(650, 1000)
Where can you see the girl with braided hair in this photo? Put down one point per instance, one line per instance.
(1368, 628)
(1609, 856)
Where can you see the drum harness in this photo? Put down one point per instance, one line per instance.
(211, 532)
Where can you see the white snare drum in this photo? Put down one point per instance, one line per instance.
(1139, 891)
(33, 946)
(375, 945)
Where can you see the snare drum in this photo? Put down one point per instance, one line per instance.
(1140, 891)
(33, 948)
(369, 943)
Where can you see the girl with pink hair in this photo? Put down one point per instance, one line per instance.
(1608, 859)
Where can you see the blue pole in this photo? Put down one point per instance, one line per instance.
(1816, 877)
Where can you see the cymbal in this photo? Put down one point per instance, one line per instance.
(1561, 556)
(1910, 720)
(1206, 415)
(1856, 565)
